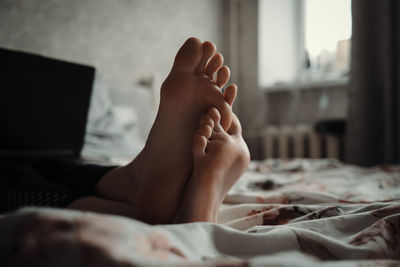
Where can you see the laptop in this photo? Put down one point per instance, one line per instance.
(44, 105)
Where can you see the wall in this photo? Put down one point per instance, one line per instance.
(124, 39)
(243, 57)
(307, 105)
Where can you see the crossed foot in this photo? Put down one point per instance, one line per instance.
(162, 177)
(220, 157)
(187, 92)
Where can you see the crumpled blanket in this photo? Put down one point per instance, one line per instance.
(297, 213)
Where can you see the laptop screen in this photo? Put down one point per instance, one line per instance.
(43, 105)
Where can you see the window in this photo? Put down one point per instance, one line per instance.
(303, 41)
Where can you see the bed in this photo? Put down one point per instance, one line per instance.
(281, 213)
(300, 212)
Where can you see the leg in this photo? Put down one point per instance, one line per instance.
(220, 158)
(186, 93)
(153, 183)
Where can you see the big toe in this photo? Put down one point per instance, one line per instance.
(188, 56)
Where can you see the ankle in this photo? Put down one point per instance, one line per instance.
(201, 207)
(200, 212)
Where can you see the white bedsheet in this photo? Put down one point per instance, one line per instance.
(298, 213)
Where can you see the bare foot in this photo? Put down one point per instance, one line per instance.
(220, 158)
(166, 161)
(151, 186)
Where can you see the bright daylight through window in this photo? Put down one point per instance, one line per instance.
(303, 41)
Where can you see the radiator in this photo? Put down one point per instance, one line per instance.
(299, 141)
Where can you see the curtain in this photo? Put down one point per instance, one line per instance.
(373, 126)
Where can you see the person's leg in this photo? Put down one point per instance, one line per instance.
(49, 182)
(220, 158)
(186, 94)
(114, 193)
(102, 205)
(154, 181)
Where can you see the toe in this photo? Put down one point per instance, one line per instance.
(208, 50)
(199, 145)
(206, 126)
(216, 117)
(188, 56)
(235, 128)
(213, 65)
(230, 94)
(225, 112)
(223, 75)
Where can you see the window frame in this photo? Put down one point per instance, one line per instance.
(299, 83)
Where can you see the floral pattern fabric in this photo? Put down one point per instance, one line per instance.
(280, 213)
